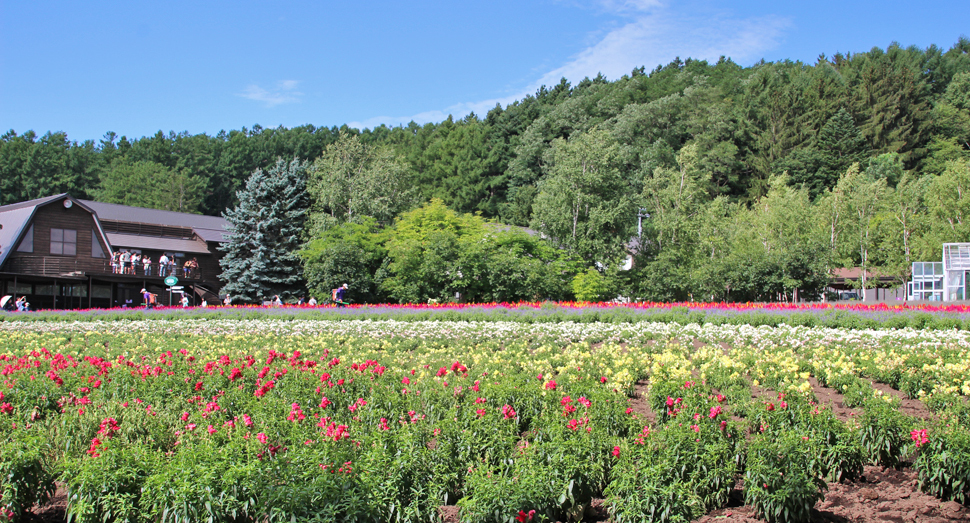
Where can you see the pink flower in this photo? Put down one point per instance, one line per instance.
(715, 411)
(920, 437)
(247, 420)
(695, 428)
(551, 385)
(602, 379)
(93, 451)
(616, 452)
(406, 381)
(584, 402)
(261, 437)
(211, 429)
(508, 412)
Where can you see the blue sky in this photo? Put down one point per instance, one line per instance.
(134, 68)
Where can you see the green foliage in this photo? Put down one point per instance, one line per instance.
(26, 473)
(943, 463)
(353, 179)
(262, 257)
(584, 204)
(149, 184)
(884, 432)
(780, 482)
(351, 253)
(436, 254)
(590, 286)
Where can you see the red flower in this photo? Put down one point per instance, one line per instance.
(919, 436)
(93, 451)
(525, 516)
(508, 412)
(616, 452)
(551, 385)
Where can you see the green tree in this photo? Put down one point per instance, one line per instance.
(863, 197)
(948, 202)
(350, 253)
(840, 144)
(591, 286)
(354, 179)
(149, 184)
(424, 250)
(262, 253)
(584, 204)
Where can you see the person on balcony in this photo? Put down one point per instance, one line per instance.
(162, 265)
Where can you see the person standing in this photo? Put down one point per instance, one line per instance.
(185, 300)
(341, 294)
(312, 302)
(162, 265)
(146, 262)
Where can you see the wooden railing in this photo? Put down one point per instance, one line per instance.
(72, 266)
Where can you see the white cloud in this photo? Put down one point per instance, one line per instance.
(653, 34)
(283, 92)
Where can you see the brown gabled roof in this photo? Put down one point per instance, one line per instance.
(209, 228)
(15, 218)
(855, 273)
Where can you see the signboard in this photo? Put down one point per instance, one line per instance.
(171, 280)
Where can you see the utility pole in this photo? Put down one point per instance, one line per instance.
(641, 214)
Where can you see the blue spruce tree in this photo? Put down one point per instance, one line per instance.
(261, 255)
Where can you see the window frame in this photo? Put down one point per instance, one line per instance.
(63, 242)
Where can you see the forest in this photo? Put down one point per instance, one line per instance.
(722, 182)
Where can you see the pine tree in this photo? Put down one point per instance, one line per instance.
(840, 144)
(261, 255)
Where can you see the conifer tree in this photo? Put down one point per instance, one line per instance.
(261, 255)
(840, 144)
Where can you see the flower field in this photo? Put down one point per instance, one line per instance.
(292, 419)
(834, 315)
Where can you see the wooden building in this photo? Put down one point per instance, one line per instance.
(57, 252)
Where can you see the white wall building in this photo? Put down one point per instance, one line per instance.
(941, 281)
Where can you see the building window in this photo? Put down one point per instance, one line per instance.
(96, 250)
(64, 241)
(27, 244)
